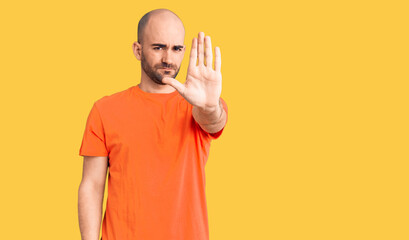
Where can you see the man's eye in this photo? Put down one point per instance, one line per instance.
(178, 49)
(157, 48)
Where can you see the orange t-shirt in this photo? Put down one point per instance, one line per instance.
(157, 154)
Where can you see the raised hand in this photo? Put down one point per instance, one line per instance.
(203, 84)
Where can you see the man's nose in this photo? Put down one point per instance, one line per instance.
(167, 57)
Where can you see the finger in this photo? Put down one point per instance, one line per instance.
(175, 84)
(200, 48)
(208, 51)
(193, 53)
(217, 59)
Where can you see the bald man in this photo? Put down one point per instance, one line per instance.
(154, 138)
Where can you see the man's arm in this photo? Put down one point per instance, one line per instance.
(203, 85)
(91, 196)
(211, 121)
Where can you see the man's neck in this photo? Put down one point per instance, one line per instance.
(148, 85)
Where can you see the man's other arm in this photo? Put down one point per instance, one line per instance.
(211, 121)
(91, 196)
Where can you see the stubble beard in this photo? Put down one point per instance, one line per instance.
(153, 72)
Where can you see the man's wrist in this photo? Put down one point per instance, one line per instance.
(210, 117)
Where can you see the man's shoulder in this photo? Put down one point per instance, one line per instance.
(114, 99)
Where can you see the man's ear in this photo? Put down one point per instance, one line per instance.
(137, 48)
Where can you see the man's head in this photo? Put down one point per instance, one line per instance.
(160, 45)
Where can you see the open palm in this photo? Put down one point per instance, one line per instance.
(203, 84)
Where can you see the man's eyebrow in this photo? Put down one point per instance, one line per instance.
(164, 45)
(159, 45)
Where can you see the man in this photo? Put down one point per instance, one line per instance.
(155, 138)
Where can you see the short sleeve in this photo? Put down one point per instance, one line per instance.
(93, 141)
(216, 135)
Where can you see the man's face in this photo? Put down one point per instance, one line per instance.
(162, 49)
(156, 67)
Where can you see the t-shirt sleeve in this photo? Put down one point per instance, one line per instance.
(93, 141)
(216, 135)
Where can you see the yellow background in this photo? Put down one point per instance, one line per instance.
(316, 146)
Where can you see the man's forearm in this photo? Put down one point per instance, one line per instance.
(210, 121)
(90, 202)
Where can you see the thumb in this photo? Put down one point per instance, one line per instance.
(175, 84)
